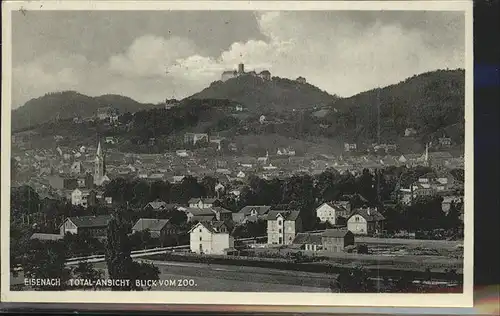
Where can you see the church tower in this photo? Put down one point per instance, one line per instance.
(99, 166)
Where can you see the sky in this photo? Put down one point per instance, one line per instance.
(154, 55)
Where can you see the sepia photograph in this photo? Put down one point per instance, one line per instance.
(293, 152)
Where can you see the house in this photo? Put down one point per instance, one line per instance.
(95, 226)
(158, 228)
(203, 202)
(110, 140)
(238, 108)
(107, 113)
(193, 138)
(199, 214)
(181, 153)
(212, 239)
(63, 182)
(335, 240)
(448, 200)
(84, 198)
(251, 213)
(350, 147)
(282, 226)
(365, 221)
(241, 175)
(410, 132)
(308, 241)
(221, 214)
(85, 181)
(444, 142)
(77, 168)
(156, 205)
(329, 211)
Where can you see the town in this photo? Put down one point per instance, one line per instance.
(369, 206)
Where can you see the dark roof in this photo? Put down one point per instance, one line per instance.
(200, 211)
(203, 218)
(261, 209)
(220, 209)
(265, 72)
(440, 155)
(287, 214)
(151, 224)
(335, 233)
(91, 221)
(157, 204)
(370, 215)
(307, 238)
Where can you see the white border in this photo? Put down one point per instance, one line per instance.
(231, 298)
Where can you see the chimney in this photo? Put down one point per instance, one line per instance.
(241, 68)
(368, 212)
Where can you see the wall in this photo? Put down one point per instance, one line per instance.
(357, 227)
(326, 213)
(272, 232)
(68, 227)
(205, 242)
(221, 242)
(290, 231)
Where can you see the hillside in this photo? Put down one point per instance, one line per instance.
(432, 103)
(278, 94)
(69, 104)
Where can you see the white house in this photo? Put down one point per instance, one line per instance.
(365, 221)
(211, 239)
(203, 202)
(241, 175)
(283, 226)
(329, 211)
(83, 198)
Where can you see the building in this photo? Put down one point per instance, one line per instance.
(365, 221)
(100, 176)
(282, 226)
(229, 74)
(95, 226)
(203, 202)
(241, 68)
(335, 240)
(212, 239)
(251, 213)
(158, 228)
(222, 214)
(301, 80)
(46, 237)
(193, 138)
(63, 182)
(308, 241)
(77, 168)
(410, 132)
(84, 198)
(238, 108)
(156, 205)
(444, 142)
(329, 211)
(108, 113)
(265, 75)
(350, 147)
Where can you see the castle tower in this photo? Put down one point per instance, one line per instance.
(241, 68)
(99, 166)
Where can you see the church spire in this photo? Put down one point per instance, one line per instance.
(99, 152)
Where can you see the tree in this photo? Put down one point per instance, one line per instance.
(47, 260)
(145, 272)
(354, 280)
(86, 271)
(208, 184)
(117, 255)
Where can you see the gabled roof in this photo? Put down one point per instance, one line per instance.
(373, 216)
(213, 227)
(288, 215)
(151, 224)
(335, 233)
(42, 236)
(203, 218)
(157, 204)
(307, 238)
(220, 210)
(260, 209)
(199, 211)
(90, 221)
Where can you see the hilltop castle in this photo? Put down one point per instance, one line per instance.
(264, 75)
(229, 74)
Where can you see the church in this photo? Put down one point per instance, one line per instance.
(100, 176)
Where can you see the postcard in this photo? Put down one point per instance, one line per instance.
(242, 153)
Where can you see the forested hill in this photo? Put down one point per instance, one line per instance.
(432, 103)
(257, 94)
(69, 104)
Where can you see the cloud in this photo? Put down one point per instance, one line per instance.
(341, 53)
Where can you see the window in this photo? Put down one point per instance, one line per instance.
(279, 230)
(200, 238)
(279, 222)
(200, 230)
